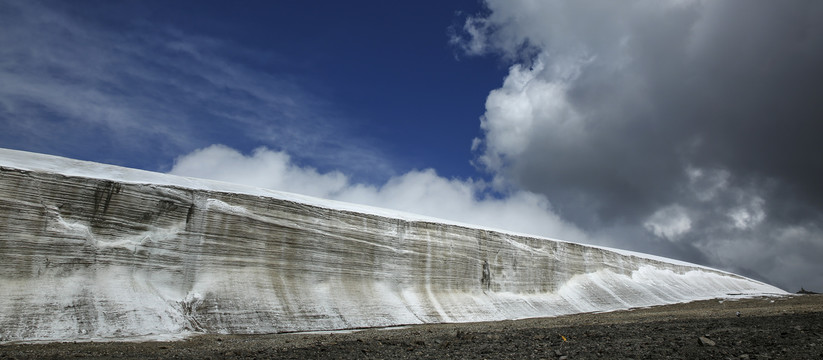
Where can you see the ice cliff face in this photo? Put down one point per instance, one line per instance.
(96, 251)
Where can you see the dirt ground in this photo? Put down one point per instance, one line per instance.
(789, 327)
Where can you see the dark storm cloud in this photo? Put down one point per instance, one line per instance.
(698, 123)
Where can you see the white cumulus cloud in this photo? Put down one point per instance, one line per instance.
(524, 107)
(669, 222)
(419, 191)
(748, 215)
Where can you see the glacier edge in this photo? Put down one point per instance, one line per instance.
(97, 251)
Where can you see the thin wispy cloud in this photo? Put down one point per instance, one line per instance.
(154, 90)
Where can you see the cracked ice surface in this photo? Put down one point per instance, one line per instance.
(94, 251)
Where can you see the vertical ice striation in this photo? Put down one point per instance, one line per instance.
(96, 251)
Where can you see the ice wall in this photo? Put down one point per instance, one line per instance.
(118, 253)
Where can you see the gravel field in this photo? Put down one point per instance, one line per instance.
(789, 327)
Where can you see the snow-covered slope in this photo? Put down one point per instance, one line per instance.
(98, 251)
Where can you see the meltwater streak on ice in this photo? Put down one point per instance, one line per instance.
(93, 251)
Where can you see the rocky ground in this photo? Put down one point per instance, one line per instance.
(788, 327)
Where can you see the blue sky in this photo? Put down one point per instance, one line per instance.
(391, 85)
(392, 79)
(684, 128)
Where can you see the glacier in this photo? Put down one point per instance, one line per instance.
(93, 251)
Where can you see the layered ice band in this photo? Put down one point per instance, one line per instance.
(93, 251)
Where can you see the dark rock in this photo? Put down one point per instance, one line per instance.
(704, 341)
